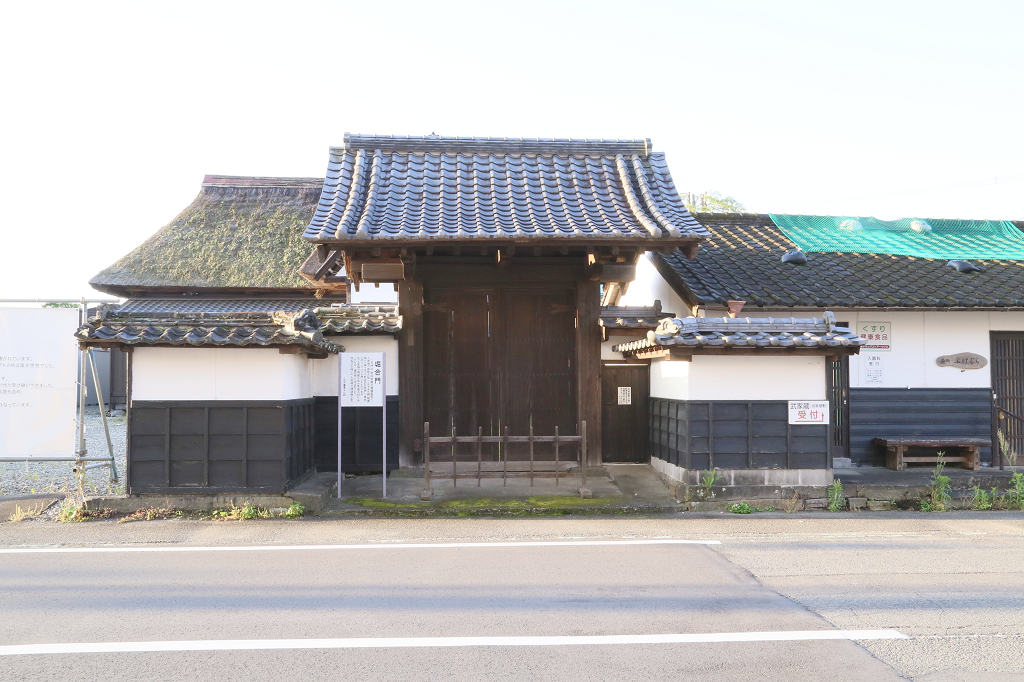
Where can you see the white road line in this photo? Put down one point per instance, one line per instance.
(404, 642)
(264, 548)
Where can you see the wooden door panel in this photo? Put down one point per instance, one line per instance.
(624, 428)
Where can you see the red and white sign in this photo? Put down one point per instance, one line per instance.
(878, 335)
(808, 412)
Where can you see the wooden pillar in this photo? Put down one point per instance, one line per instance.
(410, 376)
(588, 365)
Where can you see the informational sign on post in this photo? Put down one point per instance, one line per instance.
(362, 382)
(808, 412)
(38, 384)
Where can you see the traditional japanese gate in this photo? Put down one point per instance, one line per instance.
(500, 358)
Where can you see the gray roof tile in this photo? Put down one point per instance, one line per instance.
(741, 262)
(235, 323)
(387, 188)
(699, 332)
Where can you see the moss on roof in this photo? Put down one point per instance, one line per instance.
(243, 235)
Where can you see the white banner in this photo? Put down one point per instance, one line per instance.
(361, 380)
(38, 382)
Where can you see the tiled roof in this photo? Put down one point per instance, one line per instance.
(236, 323)
(748, 332)
(360, 319)
(426, 188)
(741, 262)
(631, 317)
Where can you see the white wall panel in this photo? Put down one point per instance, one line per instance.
(219, 374)
(670, 379)
(742, 377)
(745, 377)
(919, 338)
(649, 286)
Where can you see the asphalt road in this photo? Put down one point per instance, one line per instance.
(953, 584)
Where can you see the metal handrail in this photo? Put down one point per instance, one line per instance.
(1012, 414)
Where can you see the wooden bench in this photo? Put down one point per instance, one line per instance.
(969, 450)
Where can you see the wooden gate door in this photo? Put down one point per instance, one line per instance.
(1008, 385)
(497, 357)
(624, 422)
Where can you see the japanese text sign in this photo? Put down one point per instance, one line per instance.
(361, 380)
(878, 335)
(38, 361)
(808, 412)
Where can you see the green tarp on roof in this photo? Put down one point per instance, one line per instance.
(922, 238)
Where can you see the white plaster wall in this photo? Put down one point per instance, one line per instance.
(325, 372)
(219, 374)
(741, 377)
(650, 286)
(670, 379)
(920, 337)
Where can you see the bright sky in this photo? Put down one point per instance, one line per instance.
(113, 112)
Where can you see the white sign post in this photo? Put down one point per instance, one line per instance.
(362, 383)
(37, 382)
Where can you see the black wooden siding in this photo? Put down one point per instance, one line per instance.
(218, 446)
(908, 412)
(734, 435)
(360, 428)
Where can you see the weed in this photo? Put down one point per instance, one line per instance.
(1009, 454)
(981, 499)
(740, 508)
(150, 514)
(22, 514)
(791, 504)
(246, 512)
(707, 482)
(70, 511)
(296, 511)
(938, 488)
(926, 506)
(836, 501)
(1015, 495)
(766, 509)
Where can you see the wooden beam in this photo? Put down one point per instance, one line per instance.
(588, 365)
(410, 376)
(652, 354)
(321, 272)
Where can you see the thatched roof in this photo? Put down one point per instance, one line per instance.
(243, 234)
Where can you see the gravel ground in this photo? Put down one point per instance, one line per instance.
(44, 477)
